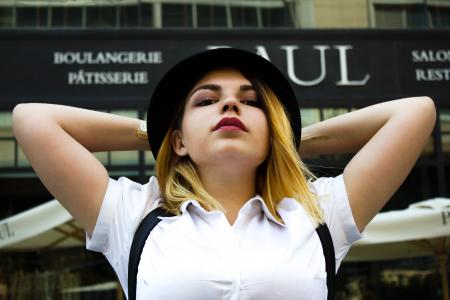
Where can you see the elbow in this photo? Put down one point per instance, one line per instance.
(427, 109)
(18, 113)
(21, 112)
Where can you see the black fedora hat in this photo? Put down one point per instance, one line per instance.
(174, 86)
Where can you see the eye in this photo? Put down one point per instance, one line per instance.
(252, 102)
(206, 102)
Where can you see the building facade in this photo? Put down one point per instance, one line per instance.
(107, 55)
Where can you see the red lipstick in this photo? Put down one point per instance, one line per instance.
(230, 124)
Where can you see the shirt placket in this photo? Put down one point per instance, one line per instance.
(234, 258)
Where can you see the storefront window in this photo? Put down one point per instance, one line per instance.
(244, 17)
(444, 118)
(129, 16)
(328, 113)
(22, 160)
(101, 16)
(6, 17)
(6, 140)
(309, 116)
(440, 16)
(6, 125)
(136, 15)
(211, 16)
(102, 157)
(6, 153)
(177, 15)
(32, 16)
(276, 17)
(125, 158)
(66, 16)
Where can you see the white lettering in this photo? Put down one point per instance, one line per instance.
(440, 55)
(106, 78)
(291, 69)
(343, 66)
(433, 75)
(261, 51)
(121, 57)
(415, 56)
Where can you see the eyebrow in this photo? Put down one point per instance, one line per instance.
(218, 88)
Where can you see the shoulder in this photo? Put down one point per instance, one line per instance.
(333, 199)
(125, 204)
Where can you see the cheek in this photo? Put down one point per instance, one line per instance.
(194, 129)
(263, 133)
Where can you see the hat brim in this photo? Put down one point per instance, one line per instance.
(179, 80)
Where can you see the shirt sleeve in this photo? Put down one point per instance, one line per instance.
(333, 199)
(124, 206)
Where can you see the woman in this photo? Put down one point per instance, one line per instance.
(225, 128)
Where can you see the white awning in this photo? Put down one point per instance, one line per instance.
(423, 229)
(48, 225)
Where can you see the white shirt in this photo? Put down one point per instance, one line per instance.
(199, 255)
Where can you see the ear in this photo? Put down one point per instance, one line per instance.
(177, 143)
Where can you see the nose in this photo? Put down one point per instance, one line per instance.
(230, 104)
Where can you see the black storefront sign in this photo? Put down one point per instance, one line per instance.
(325, 67)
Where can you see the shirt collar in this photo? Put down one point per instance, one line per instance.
(250, 208)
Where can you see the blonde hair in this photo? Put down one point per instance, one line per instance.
(281, 175)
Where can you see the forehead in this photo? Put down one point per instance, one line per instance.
(223, 75)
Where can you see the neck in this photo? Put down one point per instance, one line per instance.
(232, 187)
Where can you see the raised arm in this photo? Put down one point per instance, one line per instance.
(387, 138)
(58, 140)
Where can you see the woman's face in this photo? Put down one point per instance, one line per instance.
(223, 122)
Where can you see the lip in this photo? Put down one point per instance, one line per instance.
(230, 124)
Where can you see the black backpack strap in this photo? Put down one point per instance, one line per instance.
(140, 236)
(328, 252)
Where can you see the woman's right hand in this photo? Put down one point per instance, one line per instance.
(58, 140)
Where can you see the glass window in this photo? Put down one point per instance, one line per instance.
(211, 16)
(276, 17)
(124, 158)
(177, 15)
(6, 17)
(244, 17)
(101, 16)
(309, 116)
(149, 158)
(32, 16)
(417, 16)
(390, 16)
(401, 16)
(333, 112)
(428, 150)
(22, 160)
(146, 15)
(102, 157)
(444, 117)
(120, 158)
(7, 153)
(66, 16)
(440, 16)
(129, 16)
(6, 124)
